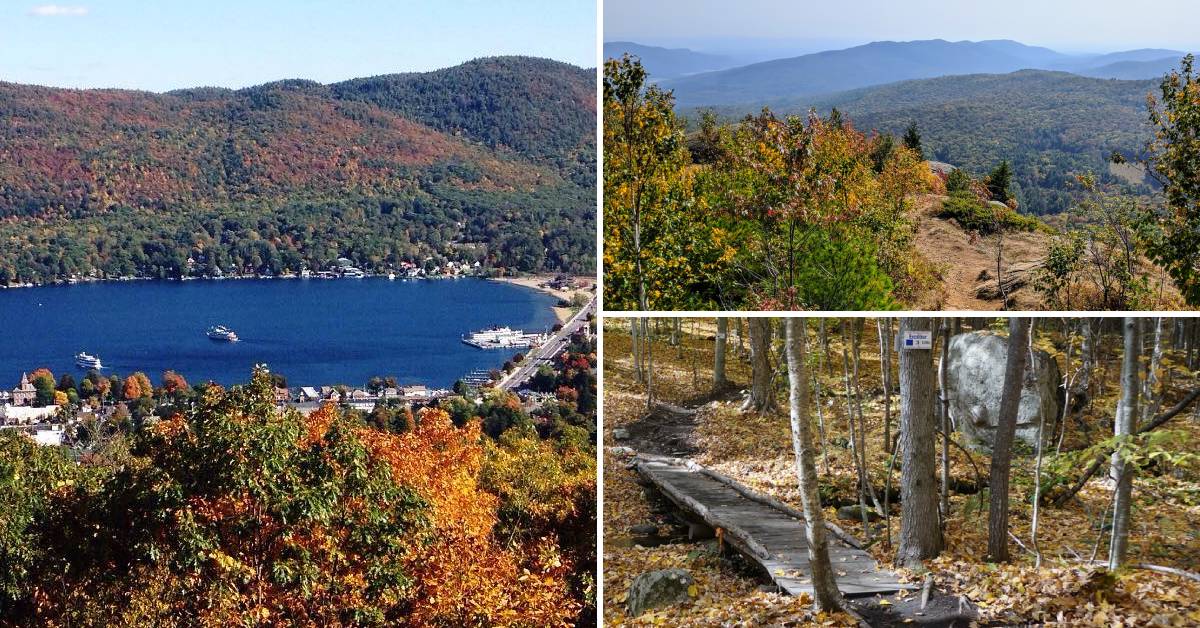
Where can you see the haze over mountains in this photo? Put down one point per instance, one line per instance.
(664, 63)
(882, 62)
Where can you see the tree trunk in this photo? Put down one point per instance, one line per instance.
(719, 354)
(944, 420)
(635, 332)
(762, 393)
(1151, 388)
(850, 426)
(820, 404)
(826, 596)
(884, 326)
(1006, 428)
(649, 340)
(920, 536)
(1124, 426)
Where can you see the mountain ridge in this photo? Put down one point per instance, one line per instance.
(496, 154)
(883, 62)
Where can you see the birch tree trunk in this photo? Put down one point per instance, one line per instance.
(634, 330)
(1124, 426)
(884, 326)
(944, 419)
(648, 338)
(826, 596)
(920, 536)
(719, 381)
(1006, 428)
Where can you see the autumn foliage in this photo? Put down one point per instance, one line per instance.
(237, 513)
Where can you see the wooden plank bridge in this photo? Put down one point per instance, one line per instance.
(764, 529)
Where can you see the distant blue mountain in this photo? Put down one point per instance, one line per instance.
(664, 63)
(883, 62)
(1133, 70)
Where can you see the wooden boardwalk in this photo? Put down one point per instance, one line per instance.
(764, 529)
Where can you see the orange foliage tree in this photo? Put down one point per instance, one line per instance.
(238, 513)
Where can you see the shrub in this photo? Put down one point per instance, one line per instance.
(986, 218)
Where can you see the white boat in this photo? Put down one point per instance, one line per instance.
(502, 338)
(391, 276)
(221, 333)
(84, 360)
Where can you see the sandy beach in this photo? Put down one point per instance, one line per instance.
(583, 285)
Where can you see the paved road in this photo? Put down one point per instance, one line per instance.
(547, 350)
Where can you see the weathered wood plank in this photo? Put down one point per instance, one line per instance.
(766, 530)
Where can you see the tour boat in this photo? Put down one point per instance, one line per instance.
(222, 333)
(83, 360)
(501, 338)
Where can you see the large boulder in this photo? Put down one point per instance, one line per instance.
(975, 381)
(655, 589)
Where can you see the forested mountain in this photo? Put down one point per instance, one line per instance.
(535, 107)
(665, 63)
(1049, 125)
(883, 62)
(1133, 70)
(497, 154)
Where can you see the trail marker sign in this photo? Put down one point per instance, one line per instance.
(911, 339)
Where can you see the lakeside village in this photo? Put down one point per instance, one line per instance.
(52, 411)
(341, 268)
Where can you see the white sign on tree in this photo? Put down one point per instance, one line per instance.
(914, 339)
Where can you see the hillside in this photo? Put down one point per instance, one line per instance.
(1048, 125)
(496, 153)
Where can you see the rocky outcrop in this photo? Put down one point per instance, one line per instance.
(974, 383)
(655, 589)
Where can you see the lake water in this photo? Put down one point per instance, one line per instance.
(314, 332)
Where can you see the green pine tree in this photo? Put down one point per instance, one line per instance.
(999, 182)
(912, 139)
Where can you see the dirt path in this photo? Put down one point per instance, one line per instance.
(962, 259)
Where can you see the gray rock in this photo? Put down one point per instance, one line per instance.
(620, 433)
(974, 383)
(854, 513)
(644, 528)
(655, 589)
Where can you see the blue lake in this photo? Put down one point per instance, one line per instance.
(314, 332)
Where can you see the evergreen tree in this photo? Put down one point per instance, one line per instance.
(835, 119)
(999, 181)
(912, 139)
(958, 181)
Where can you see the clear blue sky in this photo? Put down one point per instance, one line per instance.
(166, 44)
(1066, 25)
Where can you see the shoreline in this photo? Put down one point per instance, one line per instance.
(585, 283)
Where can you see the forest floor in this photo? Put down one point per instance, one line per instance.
(756, 450)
